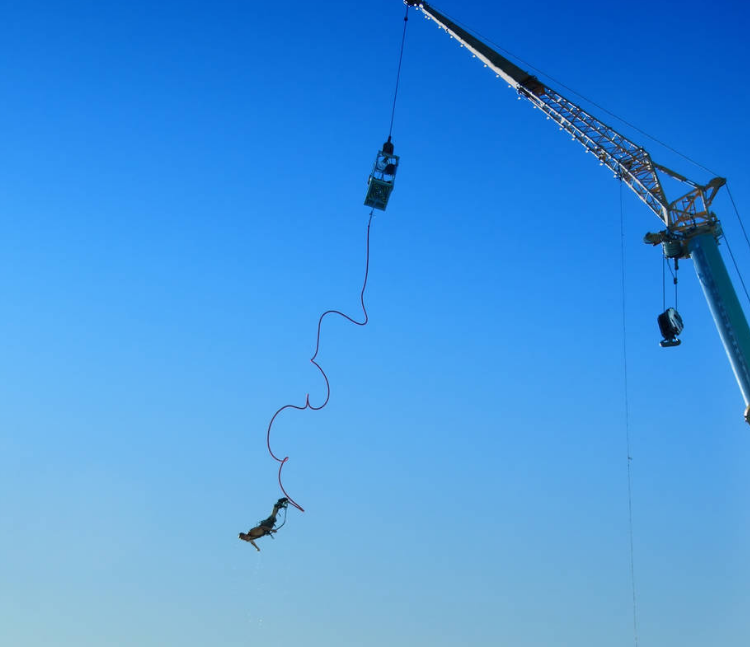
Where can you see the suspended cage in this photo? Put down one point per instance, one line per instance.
(382, 177)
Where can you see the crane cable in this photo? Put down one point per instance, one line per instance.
(737, 213)
(308, 404)
(729, 249)
(627, 417)
(398, 73)
(665, 263)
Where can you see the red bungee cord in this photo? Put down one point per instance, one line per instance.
(307, 404)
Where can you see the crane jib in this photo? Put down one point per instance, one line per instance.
(626, 159)
(692, 229)
(513, 74)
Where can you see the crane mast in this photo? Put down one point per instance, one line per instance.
(691, 230)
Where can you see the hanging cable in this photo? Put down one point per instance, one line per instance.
(736, 267)
(737, 213)
(747, 241)
(307, 404)
(381, 181)
(398, 74)
(627, 417)
(673, 274)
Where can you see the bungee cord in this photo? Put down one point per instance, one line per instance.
(308, 404)
(380, 186)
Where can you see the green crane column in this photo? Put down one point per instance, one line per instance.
(725, 307)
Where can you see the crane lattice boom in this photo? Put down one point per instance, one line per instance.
(624, 158)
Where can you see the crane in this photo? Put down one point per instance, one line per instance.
(691, 229)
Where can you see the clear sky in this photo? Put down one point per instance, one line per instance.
(181, 188)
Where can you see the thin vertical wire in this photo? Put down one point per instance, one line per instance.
(627, 418)
(737, 213)
(736, 267)
(398, 74)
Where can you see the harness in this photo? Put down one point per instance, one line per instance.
(267, 524)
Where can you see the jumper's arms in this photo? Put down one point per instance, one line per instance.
(626, 160)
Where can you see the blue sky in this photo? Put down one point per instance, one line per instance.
(181, 197)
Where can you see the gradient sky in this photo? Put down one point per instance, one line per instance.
(181, 188)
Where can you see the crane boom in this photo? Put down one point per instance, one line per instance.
(691, 229)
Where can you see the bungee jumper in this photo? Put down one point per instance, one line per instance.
(265, 527)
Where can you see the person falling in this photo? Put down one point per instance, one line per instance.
(265, 527)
